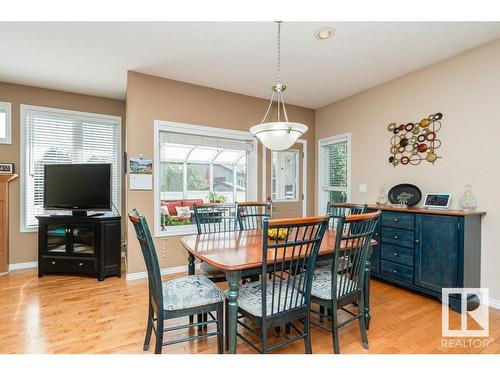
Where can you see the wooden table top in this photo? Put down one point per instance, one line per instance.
(239, 250)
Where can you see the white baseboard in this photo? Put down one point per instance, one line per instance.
(495, 303)
(22, 266)
(163, 271)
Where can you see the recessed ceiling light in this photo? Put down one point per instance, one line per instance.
(323, 33)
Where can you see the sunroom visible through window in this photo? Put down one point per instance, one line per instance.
(197, 169)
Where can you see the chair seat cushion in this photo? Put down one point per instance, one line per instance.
(211, 272)
(190, 291)
(322, 283)
(250, 298)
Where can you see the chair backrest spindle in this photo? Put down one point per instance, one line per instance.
(288, 259)
(352, 246)
(252, 214)
(216, 217)
(150, 258)
(336, 210)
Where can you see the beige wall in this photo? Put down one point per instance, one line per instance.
(23, 246)
(151, 98)
(466, 89)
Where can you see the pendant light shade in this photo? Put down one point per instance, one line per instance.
(278, 135)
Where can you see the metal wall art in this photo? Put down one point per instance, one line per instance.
(413, 142)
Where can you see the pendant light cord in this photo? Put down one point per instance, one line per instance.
(278, 77)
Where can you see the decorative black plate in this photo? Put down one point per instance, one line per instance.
(415, 195)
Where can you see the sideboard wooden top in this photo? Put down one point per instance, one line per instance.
(428, 211)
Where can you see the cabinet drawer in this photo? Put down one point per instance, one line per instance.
(51, 264)
(397, 237)
(397, 254)
(397, 271)
(398, 220)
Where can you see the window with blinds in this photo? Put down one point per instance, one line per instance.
(5, 123)
(51, 136)
(199, 164)
(334, 170)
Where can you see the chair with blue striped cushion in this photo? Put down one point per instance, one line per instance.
(340, 284)
(185, 296)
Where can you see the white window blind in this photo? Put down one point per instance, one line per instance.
(53, 136)
(5, 123)
(334, 170)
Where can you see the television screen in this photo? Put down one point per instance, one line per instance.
(77, 187)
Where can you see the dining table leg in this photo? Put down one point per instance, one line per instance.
(366, 312)
(191, 271)
(233, 281)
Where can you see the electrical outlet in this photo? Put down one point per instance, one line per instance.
(363, 188)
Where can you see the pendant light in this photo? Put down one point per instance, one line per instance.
(281, 134)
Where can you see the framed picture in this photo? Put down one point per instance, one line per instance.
(437, 200)
(141, 174)
(6, 167)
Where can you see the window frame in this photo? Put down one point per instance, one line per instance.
(177, 127)
(7, 107)
(24, 108)
(280, 175)
(344, 137)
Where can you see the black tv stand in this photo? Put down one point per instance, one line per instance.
(85, 214)
(79, 244)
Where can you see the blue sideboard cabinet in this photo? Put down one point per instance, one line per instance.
(427, 250)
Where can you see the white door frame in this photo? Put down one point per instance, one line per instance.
(304, 174)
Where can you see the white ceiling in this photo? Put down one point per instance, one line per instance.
(93, 58)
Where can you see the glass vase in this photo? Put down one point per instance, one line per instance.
(382, 196)
(467, 201)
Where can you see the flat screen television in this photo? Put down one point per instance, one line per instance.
(77, 187)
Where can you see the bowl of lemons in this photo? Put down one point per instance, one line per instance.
(279, 234)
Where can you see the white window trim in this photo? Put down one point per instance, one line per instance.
(24, 108)
(8, 131)
(168, 126)
(321, 204)
(303, 142)
(297, 178)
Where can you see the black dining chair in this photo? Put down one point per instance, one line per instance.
(336, 286)
(336, 210)
(180, 297)
(215, 218)
(251, 215)
(284, 296)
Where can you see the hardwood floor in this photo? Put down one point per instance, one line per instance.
(71, 314)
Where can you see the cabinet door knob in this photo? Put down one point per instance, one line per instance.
(53, 262)
(396, 220)
(376, 233)
(395, 254)
(80, 264)
(394, 271)
(417, 241)
(396, 237)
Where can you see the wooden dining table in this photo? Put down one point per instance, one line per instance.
(240, 252)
